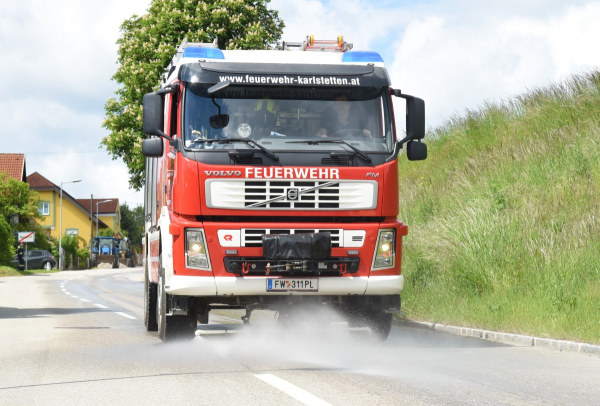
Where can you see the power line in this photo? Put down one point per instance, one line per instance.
(59, 152)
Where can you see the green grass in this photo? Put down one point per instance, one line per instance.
(504, 216)
(10, 271)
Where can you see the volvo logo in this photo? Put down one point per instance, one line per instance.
(292, 194)
(223, 173)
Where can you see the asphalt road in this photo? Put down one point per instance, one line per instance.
(79, 338)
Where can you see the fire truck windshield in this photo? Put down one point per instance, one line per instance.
(283, 114)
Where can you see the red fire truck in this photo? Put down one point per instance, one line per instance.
(272, 183)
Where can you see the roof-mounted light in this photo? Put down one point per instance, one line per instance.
(202, 52)
(361, 56)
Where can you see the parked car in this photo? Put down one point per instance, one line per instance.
(37, 259)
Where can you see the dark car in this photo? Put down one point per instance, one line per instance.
(37, 259)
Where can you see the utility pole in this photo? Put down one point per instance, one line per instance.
(91, 224)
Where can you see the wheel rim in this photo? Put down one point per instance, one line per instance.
(47, 266)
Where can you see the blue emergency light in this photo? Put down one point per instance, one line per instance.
(201, 52)
(361, 56)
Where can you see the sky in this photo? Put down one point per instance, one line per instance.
(58, 58)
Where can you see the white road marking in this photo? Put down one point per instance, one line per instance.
(125, 315)
(297, 393)
(84, 300)
(74, 296)
(64, 290)
(100, 306)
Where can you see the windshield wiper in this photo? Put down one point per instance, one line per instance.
(269, 153)
(317, 142)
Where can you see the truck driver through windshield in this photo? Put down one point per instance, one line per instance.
(337, 120)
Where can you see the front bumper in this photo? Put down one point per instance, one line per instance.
(256, 286)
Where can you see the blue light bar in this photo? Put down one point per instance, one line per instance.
(361, 56)
(201, 52)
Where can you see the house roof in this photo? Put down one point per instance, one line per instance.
(107, 207)
(14, 164)
(38, 182)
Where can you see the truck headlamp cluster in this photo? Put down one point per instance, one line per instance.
(385, 253)
(196, 255)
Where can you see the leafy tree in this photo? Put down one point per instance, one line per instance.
(7, 250)
(18, 206)
(106, 232)
(148, 43)
(132, 224)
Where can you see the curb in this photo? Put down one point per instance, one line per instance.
(506, 338)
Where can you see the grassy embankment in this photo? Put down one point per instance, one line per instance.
(504, 216)
(10, 271)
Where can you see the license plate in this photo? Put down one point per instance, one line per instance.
(286, 285)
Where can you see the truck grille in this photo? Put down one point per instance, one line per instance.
(276, 194)
(252, 237)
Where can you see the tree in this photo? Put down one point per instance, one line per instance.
(7, 250)
(18, 206)
(148, 43)
(106, 232)
(132, 222)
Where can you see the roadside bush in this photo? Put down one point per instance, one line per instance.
(7, 250)
(70, 246)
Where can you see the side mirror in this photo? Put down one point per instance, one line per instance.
(415, 115)
(219, 121)
(415, 118)
(152, 147)
(416, 150)
(153, 114)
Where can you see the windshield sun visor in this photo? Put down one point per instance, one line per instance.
(274, 74)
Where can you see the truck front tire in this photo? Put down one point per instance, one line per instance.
(378, 322)
(150, 290)
(170, 328)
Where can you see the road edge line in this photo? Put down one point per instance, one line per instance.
(505, 338)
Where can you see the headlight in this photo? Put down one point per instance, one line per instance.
(195, 251)
(385, 254)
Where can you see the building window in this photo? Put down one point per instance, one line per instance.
(44, 208)
(72, 231)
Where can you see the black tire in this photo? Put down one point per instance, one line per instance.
(47, 266)
(378, 322)
(150, 290)
(171, 328)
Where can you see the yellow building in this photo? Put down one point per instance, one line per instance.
(76, 218)
(107, 211)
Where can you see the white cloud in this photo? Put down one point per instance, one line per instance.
(58, 58)
(454, 66)
(359, 22)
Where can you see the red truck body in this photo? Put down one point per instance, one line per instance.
(211, 194)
